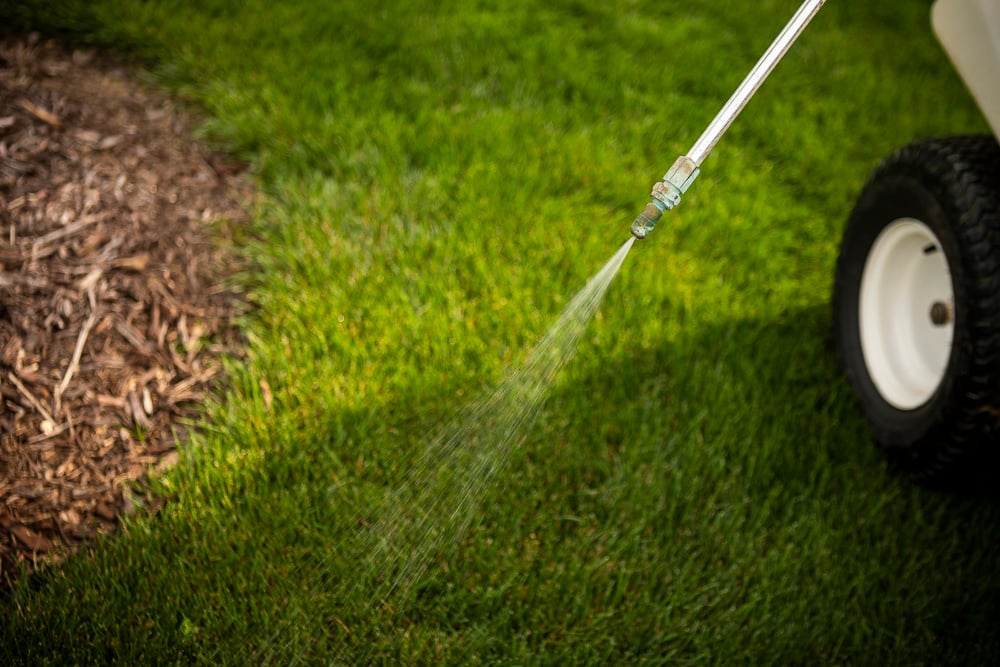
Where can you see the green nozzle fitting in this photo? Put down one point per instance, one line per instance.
(644, 224)
(666, 194)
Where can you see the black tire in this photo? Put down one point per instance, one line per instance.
(952, 186)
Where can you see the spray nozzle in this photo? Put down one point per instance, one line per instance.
(644, 224)
(666, 194)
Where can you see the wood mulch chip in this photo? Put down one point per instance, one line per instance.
(113, 319)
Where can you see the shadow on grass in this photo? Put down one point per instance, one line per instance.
(758, 410)
(738, 446)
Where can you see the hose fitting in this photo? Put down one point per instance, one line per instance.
(665, 195)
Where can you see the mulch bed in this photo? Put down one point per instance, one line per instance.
(112, 314)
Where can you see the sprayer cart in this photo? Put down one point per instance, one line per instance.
(917, 288)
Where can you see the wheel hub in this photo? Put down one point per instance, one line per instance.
(906, 277)
(940, 313)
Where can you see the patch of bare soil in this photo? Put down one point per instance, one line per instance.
(112, 317)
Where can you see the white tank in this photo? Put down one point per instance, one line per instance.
(969, 31)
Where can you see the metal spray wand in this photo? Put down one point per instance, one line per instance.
(667, 192)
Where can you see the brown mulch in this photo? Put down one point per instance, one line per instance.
(112, 317)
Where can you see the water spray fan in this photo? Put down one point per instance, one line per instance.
(667, 192)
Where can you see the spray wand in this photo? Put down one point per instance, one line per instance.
(667, 192)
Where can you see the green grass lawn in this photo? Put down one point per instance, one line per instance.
(438, 179)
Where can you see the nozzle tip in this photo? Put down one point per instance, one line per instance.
(646, 220)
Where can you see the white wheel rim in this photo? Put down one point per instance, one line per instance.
(905, 275)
